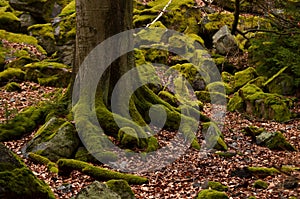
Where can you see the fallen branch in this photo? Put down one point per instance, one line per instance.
(160, 14)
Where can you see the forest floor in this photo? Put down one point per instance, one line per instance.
(189, 174)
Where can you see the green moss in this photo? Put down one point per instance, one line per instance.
(52, 167)
(121, 187)
(67, 29)
(243, 77)
(11, 74)
(9, 21)
(42, 30)
(260, 184)
(22, 60)
(216, 21)
(263, 171)
(12, 86)
(278, 142)
(195, 144)
(68, 10)
(251, 197)
(21, 183)
(168, 97)
(289, 169)
(24, 122)
(205, 96)
(21, 38)
(252, 131)
(213, 136)
(217, 186)
(97, 172)
(152, 144)
(211, 194)
(128, 138)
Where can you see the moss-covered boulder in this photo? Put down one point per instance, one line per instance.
(211, 194)
(213, 136)
(20, 62)
(205, 96)
(274, 141)
(11, 74)
(128, 138)
(48, 73)
(97, 190)
(121, 187)
(260, 184)
(9, 22)
(44, 33)
(243, 77)
(24, 122)
(60, 144)
(12, 86)
(252, 100)
(17, 181)
(281, 83)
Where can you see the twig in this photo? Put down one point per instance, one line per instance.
(160, 14)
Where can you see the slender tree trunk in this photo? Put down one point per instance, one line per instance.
(236, 17)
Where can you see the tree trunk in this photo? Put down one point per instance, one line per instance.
(97, 21)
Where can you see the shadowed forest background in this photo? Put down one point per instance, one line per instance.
(255, 47)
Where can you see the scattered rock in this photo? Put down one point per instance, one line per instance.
(225, 42)
(210, 194)
(260, 184)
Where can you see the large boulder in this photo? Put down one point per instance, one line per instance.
(48, 73)
(17, 181)
(252, 100)
(55, 140)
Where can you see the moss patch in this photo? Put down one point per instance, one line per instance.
(260, 184)
(12, 86)
(211, 194)
(121, 187)
(52, 167)
(262, 172)
(12, 74)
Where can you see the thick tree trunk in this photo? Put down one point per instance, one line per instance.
(97, 20)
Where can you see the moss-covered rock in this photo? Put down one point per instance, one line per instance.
(281, 83)
(252, 100)
(24, 122)
(9, 22)
(216, 186)
(67, 165)
(97, 190)
(20, 62)
(17, 181)
(260, 184)
(63, 144)
(121, 187)
(84, 155)
(211, 194)
(45, 36)
(13, 86)
(205, 96)
(48, 73)
(243, 77)
(169, 97)
(213, 136)
(274, 141)
(11, 74)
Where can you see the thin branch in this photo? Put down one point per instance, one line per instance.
(160, 14)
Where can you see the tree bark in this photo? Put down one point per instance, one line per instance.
(236, 17)
(97, 20)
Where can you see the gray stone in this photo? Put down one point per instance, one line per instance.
(26, 21)
(225, 42)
